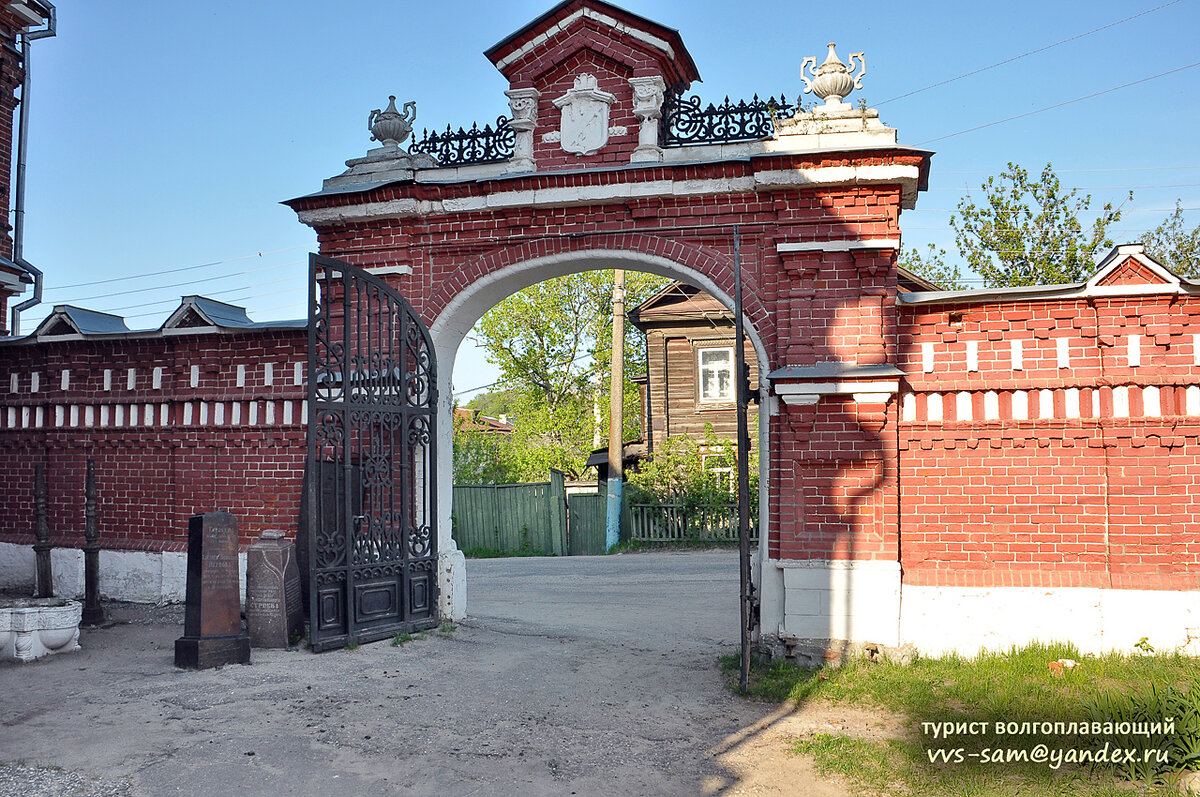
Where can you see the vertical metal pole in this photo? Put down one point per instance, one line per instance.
(616, 418)
(41, 530)
(743, 462)
(93, 612)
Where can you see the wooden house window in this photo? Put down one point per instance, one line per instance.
(716, 374)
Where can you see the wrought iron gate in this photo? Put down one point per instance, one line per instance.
(371, 485)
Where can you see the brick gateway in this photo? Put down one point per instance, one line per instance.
(945, 469)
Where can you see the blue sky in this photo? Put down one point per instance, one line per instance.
(164, 134)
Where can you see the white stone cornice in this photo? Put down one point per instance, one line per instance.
(616, 192)
(866, 392)
(839, 246)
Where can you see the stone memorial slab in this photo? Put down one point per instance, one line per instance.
(212, 625)
(273, 609)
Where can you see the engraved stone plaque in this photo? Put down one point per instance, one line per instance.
(273, 609)
(212, 626)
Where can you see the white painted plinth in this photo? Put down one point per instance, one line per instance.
(966, 620)
(135, 576)
(852, 601)
(452, 585)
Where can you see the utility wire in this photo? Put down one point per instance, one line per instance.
(1083, 171)
(1082, 210)
(1060, 104)
(1085, 188)
(173, 285)
(1027, 54)
(177, 270)
(236, 298)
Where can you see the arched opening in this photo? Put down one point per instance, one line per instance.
(468, 306)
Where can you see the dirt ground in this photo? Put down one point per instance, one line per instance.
(581, 675)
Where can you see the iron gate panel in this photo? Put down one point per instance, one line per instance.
(371, 491)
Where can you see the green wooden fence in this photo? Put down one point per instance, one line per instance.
(541, 519)
(586, 524)
(512, 518)
(673, 522)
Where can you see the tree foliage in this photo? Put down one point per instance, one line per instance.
(1029, 232)
(552, 343)
(1174, 245)
(932, 266)
(694, 472)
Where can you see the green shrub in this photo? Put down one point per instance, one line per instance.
(1155, 707)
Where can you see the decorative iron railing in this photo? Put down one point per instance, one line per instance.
(685, 120)
(461, 147)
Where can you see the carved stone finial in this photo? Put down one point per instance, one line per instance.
(832, 80)
(389, 126)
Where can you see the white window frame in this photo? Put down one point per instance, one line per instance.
(700, 368)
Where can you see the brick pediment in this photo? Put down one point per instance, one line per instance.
(642, 47)
(1131, 272)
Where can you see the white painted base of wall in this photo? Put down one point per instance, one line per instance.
(968, 619)
(135, 576)
(864, 602)
(452, 585)
(857, 601)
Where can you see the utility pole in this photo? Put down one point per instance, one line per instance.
(616, 413)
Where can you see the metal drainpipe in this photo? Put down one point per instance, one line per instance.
(22, 147)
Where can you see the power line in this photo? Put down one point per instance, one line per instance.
(1029, 53)
(1060, 104)
(178, 270)
(1082, 210)
(232, 299)
(172, 285)
(1085, 188)
(210, 294)
(1082, 171)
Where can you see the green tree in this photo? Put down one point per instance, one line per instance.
(478, 457)
(1028, 232)
(552, 343)
(694, 472)
(932, 266)
(1174, 245)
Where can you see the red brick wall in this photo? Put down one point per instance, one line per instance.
(12, 72)
(1100, 493)
(806, 308)
(216, 445)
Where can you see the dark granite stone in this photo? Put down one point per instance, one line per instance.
(273, 609)
(212, 625)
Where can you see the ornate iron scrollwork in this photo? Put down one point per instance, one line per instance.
(685, 120)
(372, 476)
(461, 147)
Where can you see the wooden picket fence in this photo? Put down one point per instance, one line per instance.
(673, 522)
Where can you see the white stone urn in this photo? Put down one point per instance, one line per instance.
(832, 80)
(389, 126)
(34, 627)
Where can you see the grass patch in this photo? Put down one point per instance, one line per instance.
(1015, 686)
(898, 766)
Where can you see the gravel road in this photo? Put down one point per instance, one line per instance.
(580, 675)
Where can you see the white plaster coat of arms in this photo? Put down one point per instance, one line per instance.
(584, 129)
